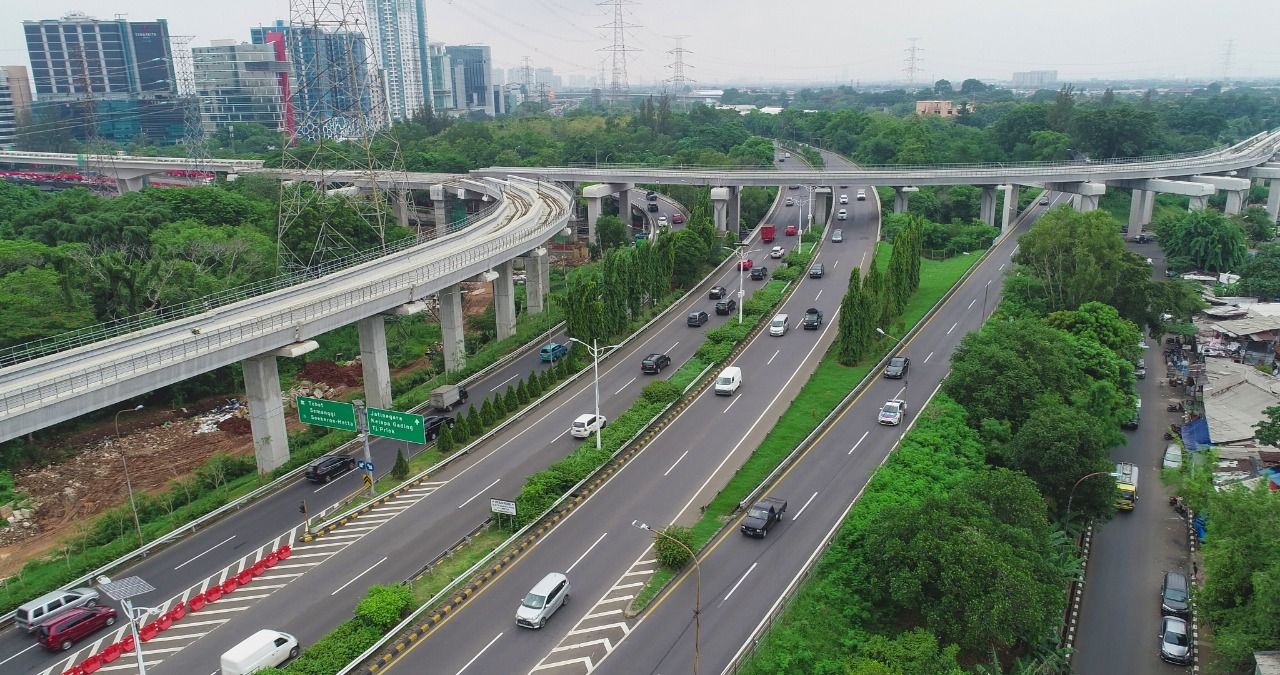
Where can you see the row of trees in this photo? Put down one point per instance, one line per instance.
(877, 300)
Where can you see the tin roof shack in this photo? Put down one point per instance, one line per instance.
(1250, 338)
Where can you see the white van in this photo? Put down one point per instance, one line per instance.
(263, 649)
(543, 600)
(778, 327)
(728, 381)
(51, 604)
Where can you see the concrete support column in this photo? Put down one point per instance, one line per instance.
(402, 204)
(1235, 201)
(624, 208)
(453, 328)
(1137, 208)
(1273, 199)
(988, 206)
(733, 210)
(1086, 203)
(373, 361)
(900, 199)
(440, 207)
(720, 207)
(593, 214)
(1010, 210)
(266, 414)
(504, 301)
(131, 183)
(1197, 203)
(822, 206)
(535, 290)
(1148, 207)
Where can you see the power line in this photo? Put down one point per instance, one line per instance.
(618, 85)
(913, 60)
(678, 80)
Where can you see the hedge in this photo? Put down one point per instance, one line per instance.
(381, 609)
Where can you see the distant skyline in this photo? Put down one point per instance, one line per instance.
(792, 43)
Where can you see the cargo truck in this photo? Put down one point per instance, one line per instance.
(447, 396)
(1126, 486)
(766, 233)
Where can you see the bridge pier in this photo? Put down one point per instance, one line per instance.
(1235, 201)
(452, 328)
(1086, 193)
(504, 301)
(1009, 213)
(1273, 199)
(373, 361)
(401, 204)
(1141, 203)
(1237, 190)
(900, 200)
(440, 210)
(535, 290)
(987, 209)
(130, 183)
(594, 194)
(266, 411)
(1198, 203)
(822, 205)
(726, 204)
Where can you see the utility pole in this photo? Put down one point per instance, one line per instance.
(679, 81)
(1226, 61)
(913, 60)
(618, 86)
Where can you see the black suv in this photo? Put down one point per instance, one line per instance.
(653, 207)
(728, 306)
(718, 292)
(328, 467)
(697, 318)
(1173, 595)
(816, 271)
(758, 273)
(812, 319)
(434, 424)
(654, 363)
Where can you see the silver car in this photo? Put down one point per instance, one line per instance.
(1175, 641)
(837, 236)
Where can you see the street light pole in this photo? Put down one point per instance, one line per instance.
(697, 601)
(742, 256)
(596, 350)
(128, 482)
(1072, 495)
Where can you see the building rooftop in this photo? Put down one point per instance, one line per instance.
(1234, 397)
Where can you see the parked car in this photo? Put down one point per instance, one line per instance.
(816, 271)
(842, 214)
(762, 515)
(654, 363)
(718, 292)
(1173, 595)
(434, 424)
(777, 252)
(897, 368)
(553, 351)
(759, 273)
(549, 595)
(844, 199)
(326, 468)
(791, 230)
(837, 236)
(696, 319)
(1175, 641)
(745, 264)
(62, 631)
(812, 319)
(726, 307)
(891, 413)
(587, 424)
(677, 218)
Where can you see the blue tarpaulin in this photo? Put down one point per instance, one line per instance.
(1195, 434)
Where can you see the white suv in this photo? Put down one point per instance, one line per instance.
(587, 424)
(778, 327)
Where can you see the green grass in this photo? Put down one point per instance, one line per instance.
(428, 585)
(828, 385)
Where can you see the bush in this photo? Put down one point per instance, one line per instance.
(661, 392)
(522, 393)
(511, 401)
(445, 442)
(384, 606)
(401, 469)
(499, 408)
(670, 554)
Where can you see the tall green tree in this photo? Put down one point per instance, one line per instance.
(850, 350)
(1211, 240)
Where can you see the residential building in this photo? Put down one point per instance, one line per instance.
(19, 83)
(940, 108)
(472, 78)
(241, 83)
(114, 58)
(8, 118)
(400, 33)
(1035, 79)
(441, 78)
(331, 85)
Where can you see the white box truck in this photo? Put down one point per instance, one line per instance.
(263, 649)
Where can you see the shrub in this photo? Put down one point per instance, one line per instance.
(445, 442)
(475, 425)
(670, 554)
(660, 391)
(522, 393)
(384, 606)
(511, 401)
(500, 409)
(401, 469)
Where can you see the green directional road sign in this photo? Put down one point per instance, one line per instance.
(398, 425)
(332, 414)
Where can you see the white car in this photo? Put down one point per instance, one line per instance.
(587, 424)
(862, 195)
(844, 199)
(662, 221)
(892, 412)
(790, 202)
(777, 252)
(778, 327)
(842, 215)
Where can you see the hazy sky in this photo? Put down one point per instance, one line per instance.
(794, 40)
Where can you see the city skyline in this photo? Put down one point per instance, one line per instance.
(1097, 40)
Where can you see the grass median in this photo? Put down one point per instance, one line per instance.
(830, 383)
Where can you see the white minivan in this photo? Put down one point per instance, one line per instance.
(778, 327)
(728, 381)
(263, 649)
(543, 600)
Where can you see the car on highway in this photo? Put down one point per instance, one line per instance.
(1044, 198)
(837, 236)
(677, 218)
(789, 202)
(728, 381)
(791, 230)
(777, 252)
(816, 271)
(434, 424)
(759, 273)
(651, 195)
(587, 424)
(892, 412)
(842, 214)
(662, 221)
(812, 319)
(696, 319)
(1175, 641)
(654, 363)
(745, 264)
(326, 468)
(1174, 600)
(897, 368)
(718, 292)
(862, 195)
(34, 612)
(264, 649)
(762, 515)
(549, 595)
(778, 327)
(793, 187)
(653, 207)
(552, 351)
(726, 307)
(844, 199)
(61, 632)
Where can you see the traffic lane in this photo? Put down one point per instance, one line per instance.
(671, 469)
(547, 432)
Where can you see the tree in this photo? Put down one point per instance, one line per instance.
(1257, 224)
(1241, 593)
(445, 442)
(1102, 323)
(850, 350)
(1058, 445)
(511, 400)
(670, 554)
(910, 652)
(972, 87)
(522, 393)
(611, 232)
(689, 253)
(1210, 239)
(401, 469)
(943, 88)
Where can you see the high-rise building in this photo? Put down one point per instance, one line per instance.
(545, 76)
(400, 32)
(330, 81)
(114, 59)
(441, 78)
(19, 84)
(8, 118)
(241, 83)
(1035, 79)
(472, 78)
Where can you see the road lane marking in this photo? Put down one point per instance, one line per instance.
(860, 440)
(926, 359)
(735, 400)
(499, 385)
(473, 497)
(901, 391)
(18, 654)
(479, 654)
(673, 466)
(740, 580)
(819, 295)
(953, 327)
(610, 612)
(971, 303)
(323, 486)
(771, 358)
(199, 554)
(673, 347)
(353, 579)
(806, 505)
(1015, 250)
(584, 553)
(619, 391)
(1001, 267)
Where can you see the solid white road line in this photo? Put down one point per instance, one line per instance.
(16, 655)
(473, 497)
(584, 553)
(353, 579)
(499, 385)
(200, 554)
(479, 653)
(628, 384)
(1001, 266)
(806, 505)
(953, 327)
(926, 359)
(673, 466)
(971, 303)
(771, 358)
(735, 586)
(860, 440)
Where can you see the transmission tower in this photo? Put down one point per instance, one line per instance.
(679, 81)
(1226, 61)
(193, 137)
(98, 165)
(913, 60)
(618, 86)
(341, 115)
(526, 78)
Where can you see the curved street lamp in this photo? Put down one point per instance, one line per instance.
(1067, 516)
(697, 606)
(124, 456)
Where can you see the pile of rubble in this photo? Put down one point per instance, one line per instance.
(330, 373)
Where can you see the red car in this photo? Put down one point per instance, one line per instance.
(791, 230)
(677, 218)
(59, 633)
(745, 264)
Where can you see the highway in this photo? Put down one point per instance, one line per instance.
(1120, 610)
(679, 470)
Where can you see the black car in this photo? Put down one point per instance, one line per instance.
(897, 368)
(726, 307)
(653, 207)
(434, 424)
(812, 319)
(654, 363)
(758, 273)
(328, 467)
(697, 318)
(816, 271)
(1173, 595)
(718, 292)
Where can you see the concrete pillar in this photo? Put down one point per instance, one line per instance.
(545, 269)
(1086, 203)
(900, 199)
(453, 328)
(131, 183)
(1148, 207)
(1137, 207)
(593, 214)
(720, 207)
(624, 208)
(441, 209)
(402, 204)
(373, 361)
(535, 290)
(1010, 210)
(821, 206)
(1273, 199)
(504, 301)
(266, 413)
(988, 207)
(1197, 203)
(1235, 201)
(733, 210)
